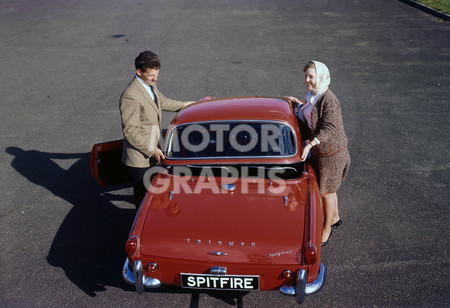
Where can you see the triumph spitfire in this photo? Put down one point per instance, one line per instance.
(232, 207)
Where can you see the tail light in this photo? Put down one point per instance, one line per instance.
(310, 254)
(131, 246)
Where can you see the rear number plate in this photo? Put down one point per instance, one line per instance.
(219, 282)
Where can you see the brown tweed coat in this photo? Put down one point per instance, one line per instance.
(331, 157)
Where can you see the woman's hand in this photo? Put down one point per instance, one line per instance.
(306, 150)
(292, 99)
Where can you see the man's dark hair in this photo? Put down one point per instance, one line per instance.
(147, 60)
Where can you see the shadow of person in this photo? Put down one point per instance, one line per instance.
(89, 245)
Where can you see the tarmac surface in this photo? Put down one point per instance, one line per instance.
(64, 65)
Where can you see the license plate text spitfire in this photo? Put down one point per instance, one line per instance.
(221, 282)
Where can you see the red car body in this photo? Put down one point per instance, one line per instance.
(230, 219)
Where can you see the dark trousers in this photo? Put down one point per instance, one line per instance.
(139, 190)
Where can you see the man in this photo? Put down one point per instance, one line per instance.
(140, 110)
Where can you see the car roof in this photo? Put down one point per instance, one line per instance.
(237, 108)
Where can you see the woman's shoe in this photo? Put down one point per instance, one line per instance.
(336, 224)
(326, 242)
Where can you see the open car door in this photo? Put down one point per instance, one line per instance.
(106, 164)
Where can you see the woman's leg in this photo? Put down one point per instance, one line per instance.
(336, 212)
(330, 210)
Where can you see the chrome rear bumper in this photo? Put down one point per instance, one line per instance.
(151, 283)
(310, 288)
(129, 276)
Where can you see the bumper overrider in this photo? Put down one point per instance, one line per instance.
(137, 278)
(302, 288)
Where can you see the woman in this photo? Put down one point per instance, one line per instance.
(328, 143)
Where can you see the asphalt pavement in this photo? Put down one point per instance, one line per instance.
(65, 63)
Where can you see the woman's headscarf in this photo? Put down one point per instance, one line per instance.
(322, 82)
(322, 77)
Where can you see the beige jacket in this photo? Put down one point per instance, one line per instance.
(141, 122)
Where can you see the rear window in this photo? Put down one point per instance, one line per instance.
(231, 140)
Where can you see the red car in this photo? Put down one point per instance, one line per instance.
(232, 207)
